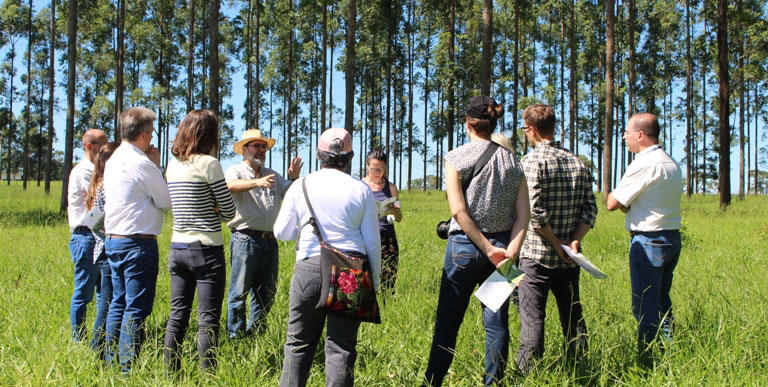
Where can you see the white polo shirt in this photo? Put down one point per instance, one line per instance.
(651, 187)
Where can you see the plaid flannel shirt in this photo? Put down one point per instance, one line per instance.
(560, 190)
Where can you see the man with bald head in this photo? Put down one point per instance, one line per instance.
(82, 242)
(649, 193)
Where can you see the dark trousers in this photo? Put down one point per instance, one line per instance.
(390, 254)
(194, 266)
(305, 327)
(534, 289)
(464, 268)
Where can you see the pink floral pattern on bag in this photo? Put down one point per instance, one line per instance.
(347, 282)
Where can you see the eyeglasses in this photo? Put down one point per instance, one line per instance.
(258, 145)
(97, 143)
(523, 128)
(377, 170)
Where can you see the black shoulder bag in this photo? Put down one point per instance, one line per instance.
(347, 280)
(443, 226)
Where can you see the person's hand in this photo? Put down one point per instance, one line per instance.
(154, 155)
(294, 170)
(561, 253)
(574, 245)
(266, 181)
(497, 255)
(216, 208)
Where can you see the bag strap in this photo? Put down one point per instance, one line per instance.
(313, 218)
(480, 164)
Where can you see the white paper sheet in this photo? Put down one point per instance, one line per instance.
(496, 289)
(585, 263)
(92, 217)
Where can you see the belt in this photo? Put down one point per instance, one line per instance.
(133, 236)
(256, 233)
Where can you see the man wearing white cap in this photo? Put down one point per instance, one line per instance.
(258, 192)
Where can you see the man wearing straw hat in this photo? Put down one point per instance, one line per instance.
(258, 192)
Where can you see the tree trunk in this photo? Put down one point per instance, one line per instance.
(248, 67)
(631, 88)
(608, 135)
(451, 60)
(257, 80)
(350, 66)
(410, 92)
(724, 167)
(515, 81)
(562, 79)
(191, 57)
(213, 57)
(757, 137)
(572, 80)
(688, 111)
(387, 149)
(119, 60)
(71, 75)
(29, 97)
(51, 86)
(704, 114)
(485, 64)
(324, 85)
(426, 105)
(741, 104)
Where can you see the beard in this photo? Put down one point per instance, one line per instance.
(255, 160)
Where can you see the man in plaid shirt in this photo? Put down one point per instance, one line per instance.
(563, 210)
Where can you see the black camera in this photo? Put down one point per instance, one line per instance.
(442, 229)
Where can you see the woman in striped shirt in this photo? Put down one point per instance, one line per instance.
(200, 201)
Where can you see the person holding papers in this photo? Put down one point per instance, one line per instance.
(490, 216)
(563, 210)
(649, 193)
(376, 161)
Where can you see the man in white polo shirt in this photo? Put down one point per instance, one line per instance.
(82, 242)
(136, 196)
(649, 193)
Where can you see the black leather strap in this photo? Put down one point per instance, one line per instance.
(480, 164)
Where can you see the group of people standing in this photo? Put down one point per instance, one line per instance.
(528, 211)
(502, 209)
(117, 199)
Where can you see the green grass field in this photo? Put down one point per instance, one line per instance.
(719, 295)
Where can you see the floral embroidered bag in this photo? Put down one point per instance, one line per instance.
(347, 280)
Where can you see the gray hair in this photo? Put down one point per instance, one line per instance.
(135, 121)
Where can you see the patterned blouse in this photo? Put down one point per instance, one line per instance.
(490, 197)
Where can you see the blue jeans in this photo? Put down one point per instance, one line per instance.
(103, 301)
(254, 271)
(652, 260)
(86, 275)
(464, 268)
(134, 276)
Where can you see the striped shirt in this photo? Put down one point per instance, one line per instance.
(198, 189)
(560, 190)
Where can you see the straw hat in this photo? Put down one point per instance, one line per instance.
(252, 135)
